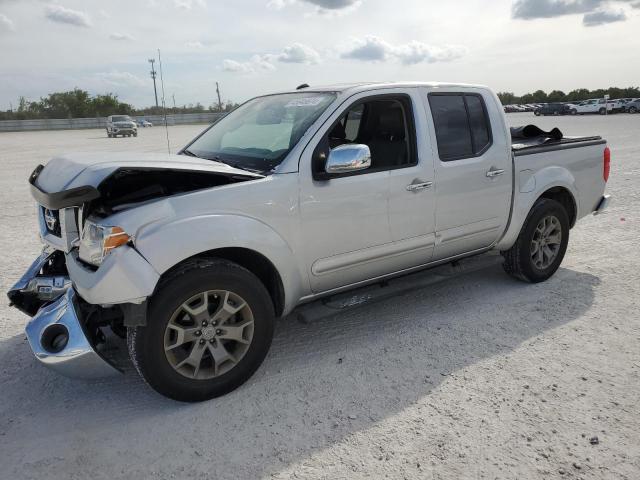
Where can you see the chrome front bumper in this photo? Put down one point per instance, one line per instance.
(57, 333)
(59, 341)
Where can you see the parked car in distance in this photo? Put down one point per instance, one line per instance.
(552, 109)
(289, 199)
(141, 122)
(122, 125)
(633, 106)
(595, 105)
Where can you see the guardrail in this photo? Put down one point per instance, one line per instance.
(83, 123)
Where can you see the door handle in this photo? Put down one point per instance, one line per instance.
(494, 173)
(414, 187)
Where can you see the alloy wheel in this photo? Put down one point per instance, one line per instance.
(546, 241)
(209, 334)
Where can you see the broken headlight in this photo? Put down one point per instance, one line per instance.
(98, 240)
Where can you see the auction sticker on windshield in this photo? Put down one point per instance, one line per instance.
(305, 102)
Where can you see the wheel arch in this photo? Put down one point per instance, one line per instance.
(555, 183)
(253, 261)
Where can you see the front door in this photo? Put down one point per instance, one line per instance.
(346, 235)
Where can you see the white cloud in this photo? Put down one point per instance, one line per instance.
(376, 49)
(331, 7)
(298, 53)
(601, 17)
(60, 14)
(120, 79)
(418, 52)
(295, 53)
(256, 63)
(194, 45)
(370, 48)
(6, 24)
(596, 12)
(188, 4)
(121, 37)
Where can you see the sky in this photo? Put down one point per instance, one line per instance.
(252, 47)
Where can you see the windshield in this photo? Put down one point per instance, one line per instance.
(121, 118)
(259, 134)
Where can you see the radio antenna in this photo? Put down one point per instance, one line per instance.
(164, 106)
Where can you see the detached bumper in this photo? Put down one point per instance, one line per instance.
(59, 341)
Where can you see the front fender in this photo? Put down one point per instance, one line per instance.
(165, 245)
(530, 186)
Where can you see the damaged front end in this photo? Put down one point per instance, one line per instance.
(64, 334)
(74, 302)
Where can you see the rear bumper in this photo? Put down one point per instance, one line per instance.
(59, 341)
(602, 204)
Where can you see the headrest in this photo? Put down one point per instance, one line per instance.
(391, 124)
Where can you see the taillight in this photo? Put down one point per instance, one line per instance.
(607, 164)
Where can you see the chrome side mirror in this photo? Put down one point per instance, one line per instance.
(348, 158)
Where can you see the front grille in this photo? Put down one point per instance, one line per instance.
(52, 221)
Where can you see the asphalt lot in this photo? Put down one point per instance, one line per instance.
(477, 376)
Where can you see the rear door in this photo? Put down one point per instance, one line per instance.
(472, 170)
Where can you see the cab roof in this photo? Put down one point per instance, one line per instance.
(363, 86)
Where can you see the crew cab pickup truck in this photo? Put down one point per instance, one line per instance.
(292, 197)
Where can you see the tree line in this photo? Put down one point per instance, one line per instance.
(540, 96)
(79, 103)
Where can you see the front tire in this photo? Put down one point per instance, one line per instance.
(633, 109)
(209, 327)
(602, 111)
(541, 245)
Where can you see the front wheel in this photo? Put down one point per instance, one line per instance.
(602, 111)
(573, 111)
(209, 327)
(633, 109)
(541, 245)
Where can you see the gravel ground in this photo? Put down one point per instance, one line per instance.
(476, 376)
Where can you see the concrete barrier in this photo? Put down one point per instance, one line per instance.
(81, 123)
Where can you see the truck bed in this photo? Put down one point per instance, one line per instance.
(529, 146)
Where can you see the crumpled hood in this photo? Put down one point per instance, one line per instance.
(90, 169)
(70, 180)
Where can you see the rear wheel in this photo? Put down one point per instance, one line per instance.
(633, 109)
(541, 245)
(209, 327)
(602, 111)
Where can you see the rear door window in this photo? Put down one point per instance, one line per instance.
(461, 123)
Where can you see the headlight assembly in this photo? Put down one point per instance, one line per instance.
(98, 240)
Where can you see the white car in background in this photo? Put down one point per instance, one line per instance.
(596, 105)
(144, 123)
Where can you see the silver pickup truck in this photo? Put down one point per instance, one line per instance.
(290, 198)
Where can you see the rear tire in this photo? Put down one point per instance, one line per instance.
(602, 111)
(177, 329)
(633, 109)
(536, 255)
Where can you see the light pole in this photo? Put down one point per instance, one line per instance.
(153, 75)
